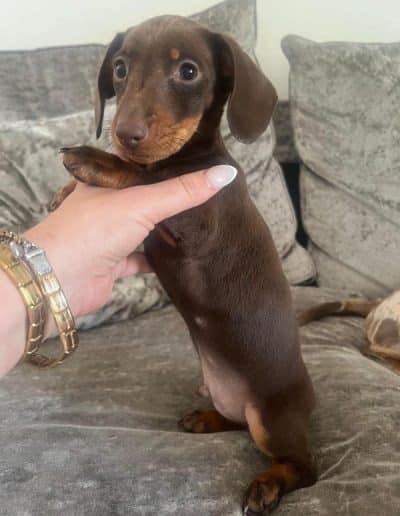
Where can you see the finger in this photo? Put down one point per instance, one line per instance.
(165, 199)
(135, 263)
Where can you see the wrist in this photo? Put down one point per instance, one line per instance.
(46, 296)
(13, 324)
(28, 268)
(34, 236)
(49, 243)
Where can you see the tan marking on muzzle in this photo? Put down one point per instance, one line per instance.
(165, 138)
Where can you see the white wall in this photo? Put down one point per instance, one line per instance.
(26, 24)
(321, 20)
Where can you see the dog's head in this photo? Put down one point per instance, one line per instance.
(169, 74)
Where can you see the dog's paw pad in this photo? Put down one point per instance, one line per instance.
(77, 162)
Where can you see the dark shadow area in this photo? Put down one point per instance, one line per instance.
(291, 172)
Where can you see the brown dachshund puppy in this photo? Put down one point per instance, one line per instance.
(171, 78)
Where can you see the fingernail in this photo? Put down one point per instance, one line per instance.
(221, 175)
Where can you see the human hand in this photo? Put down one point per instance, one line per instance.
(91, 238)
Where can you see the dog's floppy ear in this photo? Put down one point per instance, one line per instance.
(252, 99)
(105, 87)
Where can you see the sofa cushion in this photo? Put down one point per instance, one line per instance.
(99, 434)
(344, 98)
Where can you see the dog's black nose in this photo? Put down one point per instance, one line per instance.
(131, 134)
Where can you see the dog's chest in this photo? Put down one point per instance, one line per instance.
(183, 278)
(186, 281)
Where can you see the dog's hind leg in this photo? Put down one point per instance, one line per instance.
(285, 443)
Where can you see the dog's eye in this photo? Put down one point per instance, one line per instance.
(188, 71)
(120, 69)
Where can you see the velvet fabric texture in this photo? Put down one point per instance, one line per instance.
(344, 100)
(99, 435)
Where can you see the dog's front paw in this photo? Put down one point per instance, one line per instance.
(98, 168)
(262, 496)
(80, 162)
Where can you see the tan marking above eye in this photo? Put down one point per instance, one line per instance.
(175, 54)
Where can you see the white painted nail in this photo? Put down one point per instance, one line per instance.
(221, 175)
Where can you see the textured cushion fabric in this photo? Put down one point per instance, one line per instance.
(285, 150)
(344, 102)
(99, 435)
(46, 102)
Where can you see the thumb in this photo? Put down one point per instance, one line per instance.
(167, 198)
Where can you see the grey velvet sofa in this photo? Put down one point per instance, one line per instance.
(99, 436)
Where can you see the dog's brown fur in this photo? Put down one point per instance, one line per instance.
(217, 262)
